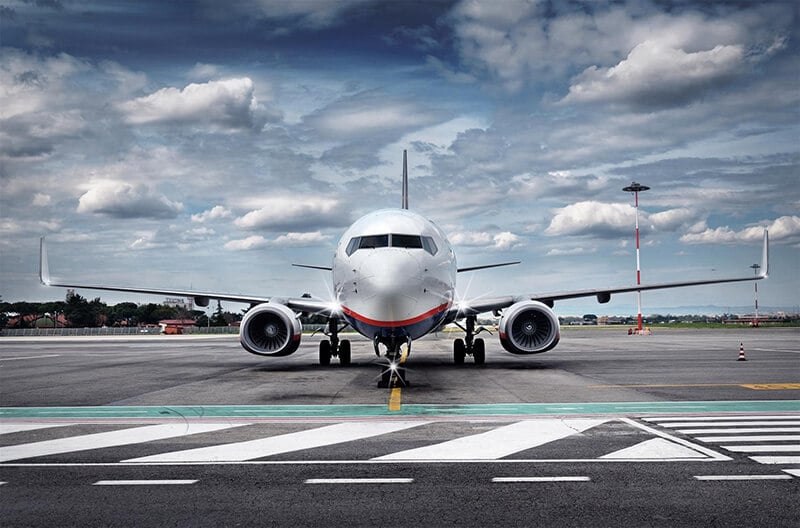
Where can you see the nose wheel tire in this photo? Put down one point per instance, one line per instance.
(324, 352)
(344, 353)
(479, 352)
(459, 351)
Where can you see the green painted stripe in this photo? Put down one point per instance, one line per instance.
(358, 411)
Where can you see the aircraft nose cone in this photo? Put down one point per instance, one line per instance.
(391, 272)
(389, 284)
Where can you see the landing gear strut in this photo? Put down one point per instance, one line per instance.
(470, 345)
(332, 347)
(393, 374)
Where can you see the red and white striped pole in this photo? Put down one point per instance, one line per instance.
(635, 188)
(755, 270)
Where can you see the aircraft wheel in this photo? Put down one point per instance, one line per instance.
(479, 351)
(459, 351)
(324, 352)
(344, 353)
(386, 378)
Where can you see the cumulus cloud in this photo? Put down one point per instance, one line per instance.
(300, 239)
(245, 244)
(229, 104)
(672, 219)
(215, 213)
(369, 113)
(287, 240)
(41, 200)
(591, 217)
(502, 241)
(561, 252)
(609, 220)
(785, 229)
(519, 42)
(654, 74)
(292, 213)
(125, 200)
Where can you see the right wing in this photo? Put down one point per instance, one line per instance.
(300, 304)
(480, 305)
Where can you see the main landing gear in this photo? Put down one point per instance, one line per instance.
(332, 347)
(394, 373)
(470, 345)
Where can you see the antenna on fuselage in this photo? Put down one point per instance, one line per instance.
(405, 181)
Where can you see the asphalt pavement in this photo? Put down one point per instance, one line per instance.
(605, 430)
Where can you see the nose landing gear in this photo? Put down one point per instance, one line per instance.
(394, 373)
(470, 345)
(332, 347)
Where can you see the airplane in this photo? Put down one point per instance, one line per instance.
(394, 281)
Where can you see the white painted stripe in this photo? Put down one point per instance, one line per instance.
(286, 443)
(499, 442)
(795, 472)
(29, 357)
(742, 430)
(655, 449)
(6, 428)
(776, 459)
(540, 479)
(135, 435)
(728, 424)
(143, 482)
(361, 481)
(751, 438)
(659, 419)
(713, 455)
(2, 483)
(762, 448)
(743, 477)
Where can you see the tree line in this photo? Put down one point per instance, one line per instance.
(78, 312)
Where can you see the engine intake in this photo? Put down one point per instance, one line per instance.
(270, 330)
(529, 327)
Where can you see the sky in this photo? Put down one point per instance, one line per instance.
(208, 145)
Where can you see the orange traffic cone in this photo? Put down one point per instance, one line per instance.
(741, 353)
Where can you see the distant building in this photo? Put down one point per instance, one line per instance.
(180, 303)
(175, 326)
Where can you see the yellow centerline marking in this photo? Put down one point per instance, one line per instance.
(753, 386)
(396, 393)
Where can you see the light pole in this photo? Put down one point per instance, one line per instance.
(755, 270)
(636, 188)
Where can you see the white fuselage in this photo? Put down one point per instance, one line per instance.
(394, 275)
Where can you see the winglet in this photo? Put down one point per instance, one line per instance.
(765, 256)
(44, 270)
(405, 181)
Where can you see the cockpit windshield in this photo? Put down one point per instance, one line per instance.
(392, 240)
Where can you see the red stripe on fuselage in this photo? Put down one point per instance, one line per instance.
(395, 324)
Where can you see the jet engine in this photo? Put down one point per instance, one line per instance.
(270, 330)
(528, 327)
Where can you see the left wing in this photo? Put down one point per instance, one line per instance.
(302, 304)
(480, 305)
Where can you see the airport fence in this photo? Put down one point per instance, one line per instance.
(130, 331)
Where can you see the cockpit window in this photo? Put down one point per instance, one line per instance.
(407, 241)
(429, 245)
(392, 240)
(373, 241)
(352, 246)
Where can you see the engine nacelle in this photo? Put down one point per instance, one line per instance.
(528, 327)
(270, 330)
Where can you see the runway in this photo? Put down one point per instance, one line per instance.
(605, 430)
